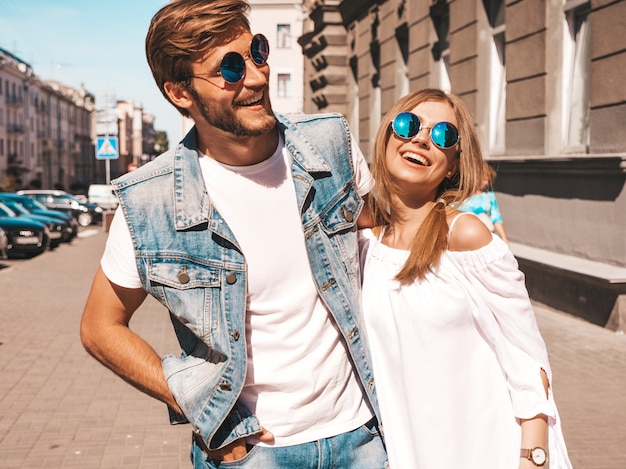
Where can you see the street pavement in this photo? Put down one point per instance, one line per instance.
(59, 408)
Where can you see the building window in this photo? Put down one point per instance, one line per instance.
(284, 85)
(402, 62)
(283, 35)
(576, 76)
(1, 146)
(497, 89)
(440, 15)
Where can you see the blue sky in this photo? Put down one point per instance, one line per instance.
(99, 44)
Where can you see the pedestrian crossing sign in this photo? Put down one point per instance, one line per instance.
(106, 148)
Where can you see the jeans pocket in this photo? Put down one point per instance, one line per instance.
(201, 461)
(371, 427)
(247, 462)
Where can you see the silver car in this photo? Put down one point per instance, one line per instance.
(4, 242)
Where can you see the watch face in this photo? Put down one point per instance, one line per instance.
(539, 456)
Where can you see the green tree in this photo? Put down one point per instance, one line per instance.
(161, 144)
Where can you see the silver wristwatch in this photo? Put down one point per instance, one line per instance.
(536, 455)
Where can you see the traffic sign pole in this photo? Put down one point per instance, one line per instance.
(107, 149)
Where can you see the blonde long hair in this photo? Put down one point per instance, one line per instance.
(431, 239)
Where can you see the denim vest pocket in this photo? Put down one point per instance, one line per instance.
(338, 222)
(341, 214)
(189, 377)
(182, 274)
(190, 290)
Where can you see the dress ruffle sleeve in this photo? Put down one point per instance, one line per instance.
(502, 310)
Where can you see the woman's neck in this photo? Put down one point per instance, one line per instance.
(406, 219)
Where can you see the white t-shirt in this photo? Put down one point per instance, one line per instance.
(299, 381)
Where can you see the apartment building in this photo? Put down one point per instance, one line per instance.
(132, 126)
(45, 129)
(281, 22)
(48, 132)
(545, 84)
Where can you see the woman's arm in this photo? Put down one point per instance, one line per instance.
(535, 430)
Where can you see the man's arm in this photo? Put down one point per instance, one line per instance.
(105, 334)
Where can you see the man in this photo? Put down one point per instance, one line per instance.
(246, 233)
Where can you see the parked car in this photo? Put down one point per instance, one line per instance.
(25, 237)
(37, 208)
(85, 213)
(59, 229)
(4, 242)
(102, 195)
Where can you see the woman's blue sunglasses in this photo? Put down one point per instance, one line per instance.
(407, 125)
(233, 65)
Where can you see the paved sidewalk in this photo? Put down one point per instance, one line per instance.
(59, 408)
(589, 383)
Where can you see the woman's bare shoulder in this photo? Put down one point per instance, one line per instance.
(468, 232)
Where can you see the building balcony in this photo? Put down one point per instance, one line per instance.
(15, 129)
(14, 101)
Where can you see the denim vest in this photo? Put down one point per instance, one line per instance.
(189, 260)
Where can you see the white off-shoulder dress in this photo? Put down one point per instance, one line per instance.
(457, 359)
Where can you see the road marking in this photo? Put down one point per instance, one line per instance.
(87, 233)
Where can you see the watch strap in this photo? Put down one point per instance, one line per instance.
(527, 453)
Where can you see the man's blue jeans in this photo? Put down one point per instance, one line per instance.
(359, 449)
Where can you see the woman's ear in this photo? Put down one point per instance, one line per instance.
(178, 94)
(453, 168)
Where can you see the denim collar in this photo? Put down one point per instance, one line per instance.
(192, 205)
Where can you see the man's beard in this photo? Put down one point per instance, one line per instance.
(226, 119)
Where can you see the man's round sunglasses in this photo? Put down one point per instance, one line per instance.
(233, 64)
(407, 125)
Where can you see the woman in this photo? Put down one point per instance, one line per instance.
(461, 369)
(484, 205)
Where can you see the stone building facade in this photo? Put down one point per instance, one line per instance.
(48, 132)
(281, 22)
(45, 129)
(544, 82)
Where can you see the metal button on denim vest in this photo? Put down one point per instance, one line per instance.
(190, 261)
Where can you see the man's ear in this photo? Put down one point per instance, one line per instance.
(178, 94)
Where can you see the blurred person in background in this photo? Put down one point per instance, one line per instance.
(484, 205)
